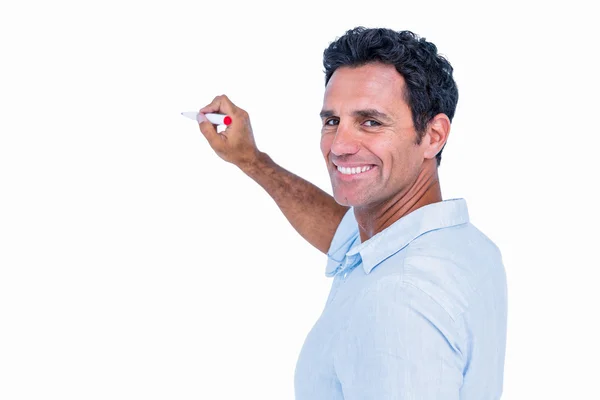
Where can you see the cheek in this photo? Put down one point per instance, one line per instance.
(382, 150)
(395, 156)
(326, 144)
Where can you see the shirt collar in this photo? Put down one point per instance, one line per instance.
(348, 251)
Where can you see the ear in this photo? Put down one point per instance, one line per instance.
(436, 135)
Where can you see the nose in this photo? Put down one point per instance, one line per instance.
(345, 141)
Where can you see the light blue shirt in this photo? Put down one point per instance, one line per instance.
(418, 311)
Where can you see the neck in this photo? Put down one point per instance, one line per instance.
(425, 190)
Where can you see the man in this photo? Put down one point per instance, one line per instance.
(417, 308)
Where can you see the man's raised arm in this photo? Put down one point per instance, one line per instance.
(312, 212)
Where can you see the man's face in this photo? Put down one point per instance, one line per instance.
(367, 124)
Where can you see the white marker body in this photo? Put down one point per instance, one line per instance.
(217, 119)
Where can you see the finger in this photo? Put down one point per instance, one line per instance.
(209, 131)
(220, 104)
(212, 107)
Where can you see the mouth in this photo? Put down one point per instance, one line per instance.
(347, 173)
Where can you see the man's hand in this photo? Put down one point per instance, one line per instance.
(236, 144)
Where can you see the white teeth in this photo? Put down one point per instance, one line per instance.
(354, 170)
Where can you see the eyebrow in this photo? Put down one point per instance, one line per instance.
(364, 113)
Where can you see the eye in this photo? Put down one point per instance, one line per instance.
(371, 123)
(332, 122)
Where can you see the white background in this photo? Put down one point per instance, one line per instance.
(136, 264)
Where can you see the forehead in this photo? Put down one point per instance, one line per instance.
(366, 86)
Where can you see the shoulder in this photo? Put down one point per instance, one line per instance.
(460, 249)
(455, 266)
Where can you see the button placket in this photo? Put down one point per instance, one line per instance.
(342, 271)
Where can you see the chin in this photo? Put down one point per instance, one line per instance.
(345, 200)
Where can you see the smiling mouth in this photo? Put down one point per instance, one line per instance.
(354, 170)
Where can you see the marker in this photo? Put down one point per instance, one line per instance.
(217, 119)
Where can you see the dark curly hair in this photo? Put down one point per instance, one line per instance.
(428, 75)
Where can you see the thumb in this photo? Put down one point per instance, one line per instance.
(209, 131)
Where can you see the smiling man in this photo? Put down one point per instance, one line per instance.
(417, 308)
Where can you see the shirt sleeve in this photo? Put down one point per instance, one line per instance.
(399, 344)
